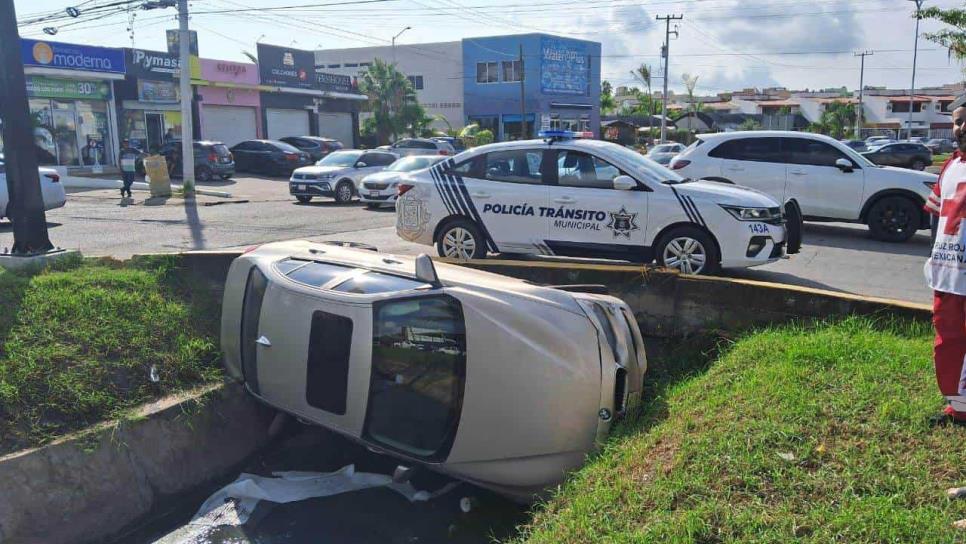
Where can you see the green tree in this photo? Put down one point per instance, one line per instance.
(836, 121)
(392, 100)
(749, 124)
(643, 74)
(607, 103)
(484, 137)
(954, 38)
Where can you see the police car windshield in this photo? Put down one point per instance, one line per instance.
(340, 158)
(645, 169)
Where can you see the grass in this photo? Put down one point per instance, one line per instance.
(77, 344)
(796, 433)
(939, 158)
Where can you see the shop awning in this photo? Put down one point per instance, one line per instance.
(70, 74)
(321, 94)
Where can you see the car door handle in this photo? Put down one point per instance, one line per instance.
(480, 195)
(798, 173)
(565, 200)
(736, 168)
(262, 340)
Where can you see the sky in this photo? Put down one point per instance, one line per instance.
(727, 44)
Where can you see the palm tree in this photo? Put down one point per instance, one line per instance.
(391, 95)
(607, 103)
(690, 82)
(643, 74)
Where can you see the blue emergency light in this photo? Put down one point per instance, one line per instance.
(564, 134)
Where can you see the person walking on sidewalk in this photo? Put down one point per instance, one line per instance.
(129, 158)
(946, 274)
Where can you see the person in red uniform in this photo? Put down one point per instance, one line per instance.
(946, 274)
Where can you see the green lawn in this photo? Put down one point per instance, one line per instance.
(939, 158)
(77, 344)
(814, 434)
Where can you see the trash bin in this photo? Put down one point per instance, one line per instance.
(156, 169)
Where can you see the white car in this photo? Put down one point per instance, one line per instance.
(51, 189)
(420, 146)
(585, 198)
(663, 153)
(814, 177)
(338, 174)
(478, 376)
(379, 189)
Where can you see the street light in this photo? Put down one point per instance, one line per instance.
(394, 43)
(915, 54)
(259, 38)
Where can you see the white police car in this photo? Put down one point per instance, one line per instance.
(563, 195)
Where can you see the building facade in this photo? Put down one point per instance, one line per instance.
(148, 99)
(229, 101)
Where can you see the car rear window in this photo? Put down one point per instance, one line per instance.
(221, 150)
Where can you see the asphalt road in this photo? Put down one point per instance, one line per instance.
(838, 257)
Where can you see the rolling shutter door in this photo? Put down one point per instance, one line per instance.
(229, 124)
(282, 123)
(337, 126)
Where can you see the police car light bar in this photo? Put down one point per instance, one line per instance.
(564, 134)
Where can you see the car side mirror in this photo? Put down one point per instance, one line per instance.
(624, 183)
(361, 165)
(426, 271)
(844, 165)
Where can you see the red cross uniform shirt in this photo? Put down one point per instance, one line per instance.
(946, 268)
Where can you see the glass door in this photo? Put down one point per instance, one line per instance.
(65, 133)
(155, 129)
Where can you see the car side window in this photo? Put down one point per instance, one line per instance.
(402, 144)
(811, 152)
(515, 166)
(749, 149)
(423, 145)
(579, 169)
(472, 168)
(377, 159)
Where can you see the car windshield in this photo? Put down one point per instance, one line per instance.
(340, 158)
(644, 168)
(410, 164)
(664, 149)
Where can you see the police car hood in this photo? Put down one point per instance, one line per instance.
(724, 193)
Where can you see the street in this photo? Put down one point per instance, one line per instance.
(835, 256)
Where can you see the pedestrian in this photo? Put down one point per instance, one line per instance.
(129, 157)
(946, 274)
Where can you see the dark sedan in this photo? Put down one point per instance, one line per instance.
(941, 145)
(316, 146)
(269, 157)
(212, 159)
(901, 154)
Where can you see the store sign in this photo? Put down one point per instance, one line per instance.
(49, 87)
(174, 42)
(564, 67)
(155, 65)
(233, 69)
(286, 67)
(71, 56)
(334, 82)
(157, 91)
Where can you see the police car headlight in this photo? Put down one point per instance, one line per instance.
(742, 213)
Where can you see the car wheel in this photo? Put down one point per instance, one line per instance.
(203, 174)
(794, 227)
(918, 164)
(460, 239)
(304, 199)
(894, 219)
(343, 192)
(226, 177)
(688, 250)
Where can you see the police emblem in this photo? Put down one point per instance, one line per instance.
(623, 223)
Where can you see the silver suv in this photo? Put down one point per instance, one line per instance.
(420, 146)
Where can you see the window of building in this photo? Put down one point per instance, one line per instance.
(487, 72)
(335, 66)
(351, 65)
(512, 70)
(417, 82)
(903, 107)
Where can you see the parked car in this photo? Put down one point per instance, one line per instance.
(379, 189)
(477, 376)
(858, 145)
(918, 140)
(420, 146)
(941, 145)
(458, 144)
(871, 139)
(316, 146)
(212, 159)
(663, 153)
(815, 177)
(338, 174)
(51, 190)
(269, 157)
(901, 154)
(876, 144)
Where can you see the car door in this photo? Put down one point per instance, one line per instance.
(586, 216)
(755, 162)
(821, 188)
(243, 158)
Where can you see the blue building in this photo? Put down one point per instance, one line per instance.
(560, 87)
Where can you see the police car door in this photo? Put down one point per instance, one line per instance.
(586, 216)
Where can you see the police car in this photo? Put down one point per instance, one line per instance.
(568, 195)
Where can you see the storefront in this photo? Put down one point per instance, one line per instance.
(229, 102)
(149, 96)
(71, 97)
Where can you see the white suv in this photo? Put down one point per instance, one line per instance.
(585, 198)
(814, 177)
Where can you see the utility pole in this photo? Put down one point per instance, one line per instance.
(915, 55)
(187, 132)
(523, 101)
(665, 55)
(26, 205)
(861, 110)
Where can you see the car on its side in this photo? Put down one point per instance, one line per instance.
(380, 189)
(663, 153)
(941, 145)
(815, 177)
(481, 377)
(338, 174)
(212, 159)
(316, 146)
(51, 190)
(901, 154)
(270, 157)
(567, 196)
(420, 146)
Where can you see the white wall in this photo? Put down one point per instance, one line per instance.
(440, 64)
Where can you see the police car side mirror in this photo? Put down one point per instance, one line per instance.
(426, 271)
(844, 165)
(624, 183)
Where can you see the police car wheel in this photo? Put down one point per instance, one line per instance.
(343, 192)
(894, 219)
(460, 239)
(688, 250)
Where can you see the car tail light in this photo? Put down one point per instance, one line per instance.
(291, 157)
(212, 157)
(443, 152)
(679, 164)
(53, 177)
(403, 188)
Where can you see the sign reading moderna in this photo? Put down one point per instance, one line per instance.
(68, 56)
(564, 67)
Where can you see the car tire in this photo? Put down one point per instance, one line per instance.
(918, 164)
(226, 177)
(304, 199)
(461, 239)
(203, 174)
(689, 250)
(893, 219)
(343, 192)
(794, 225)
